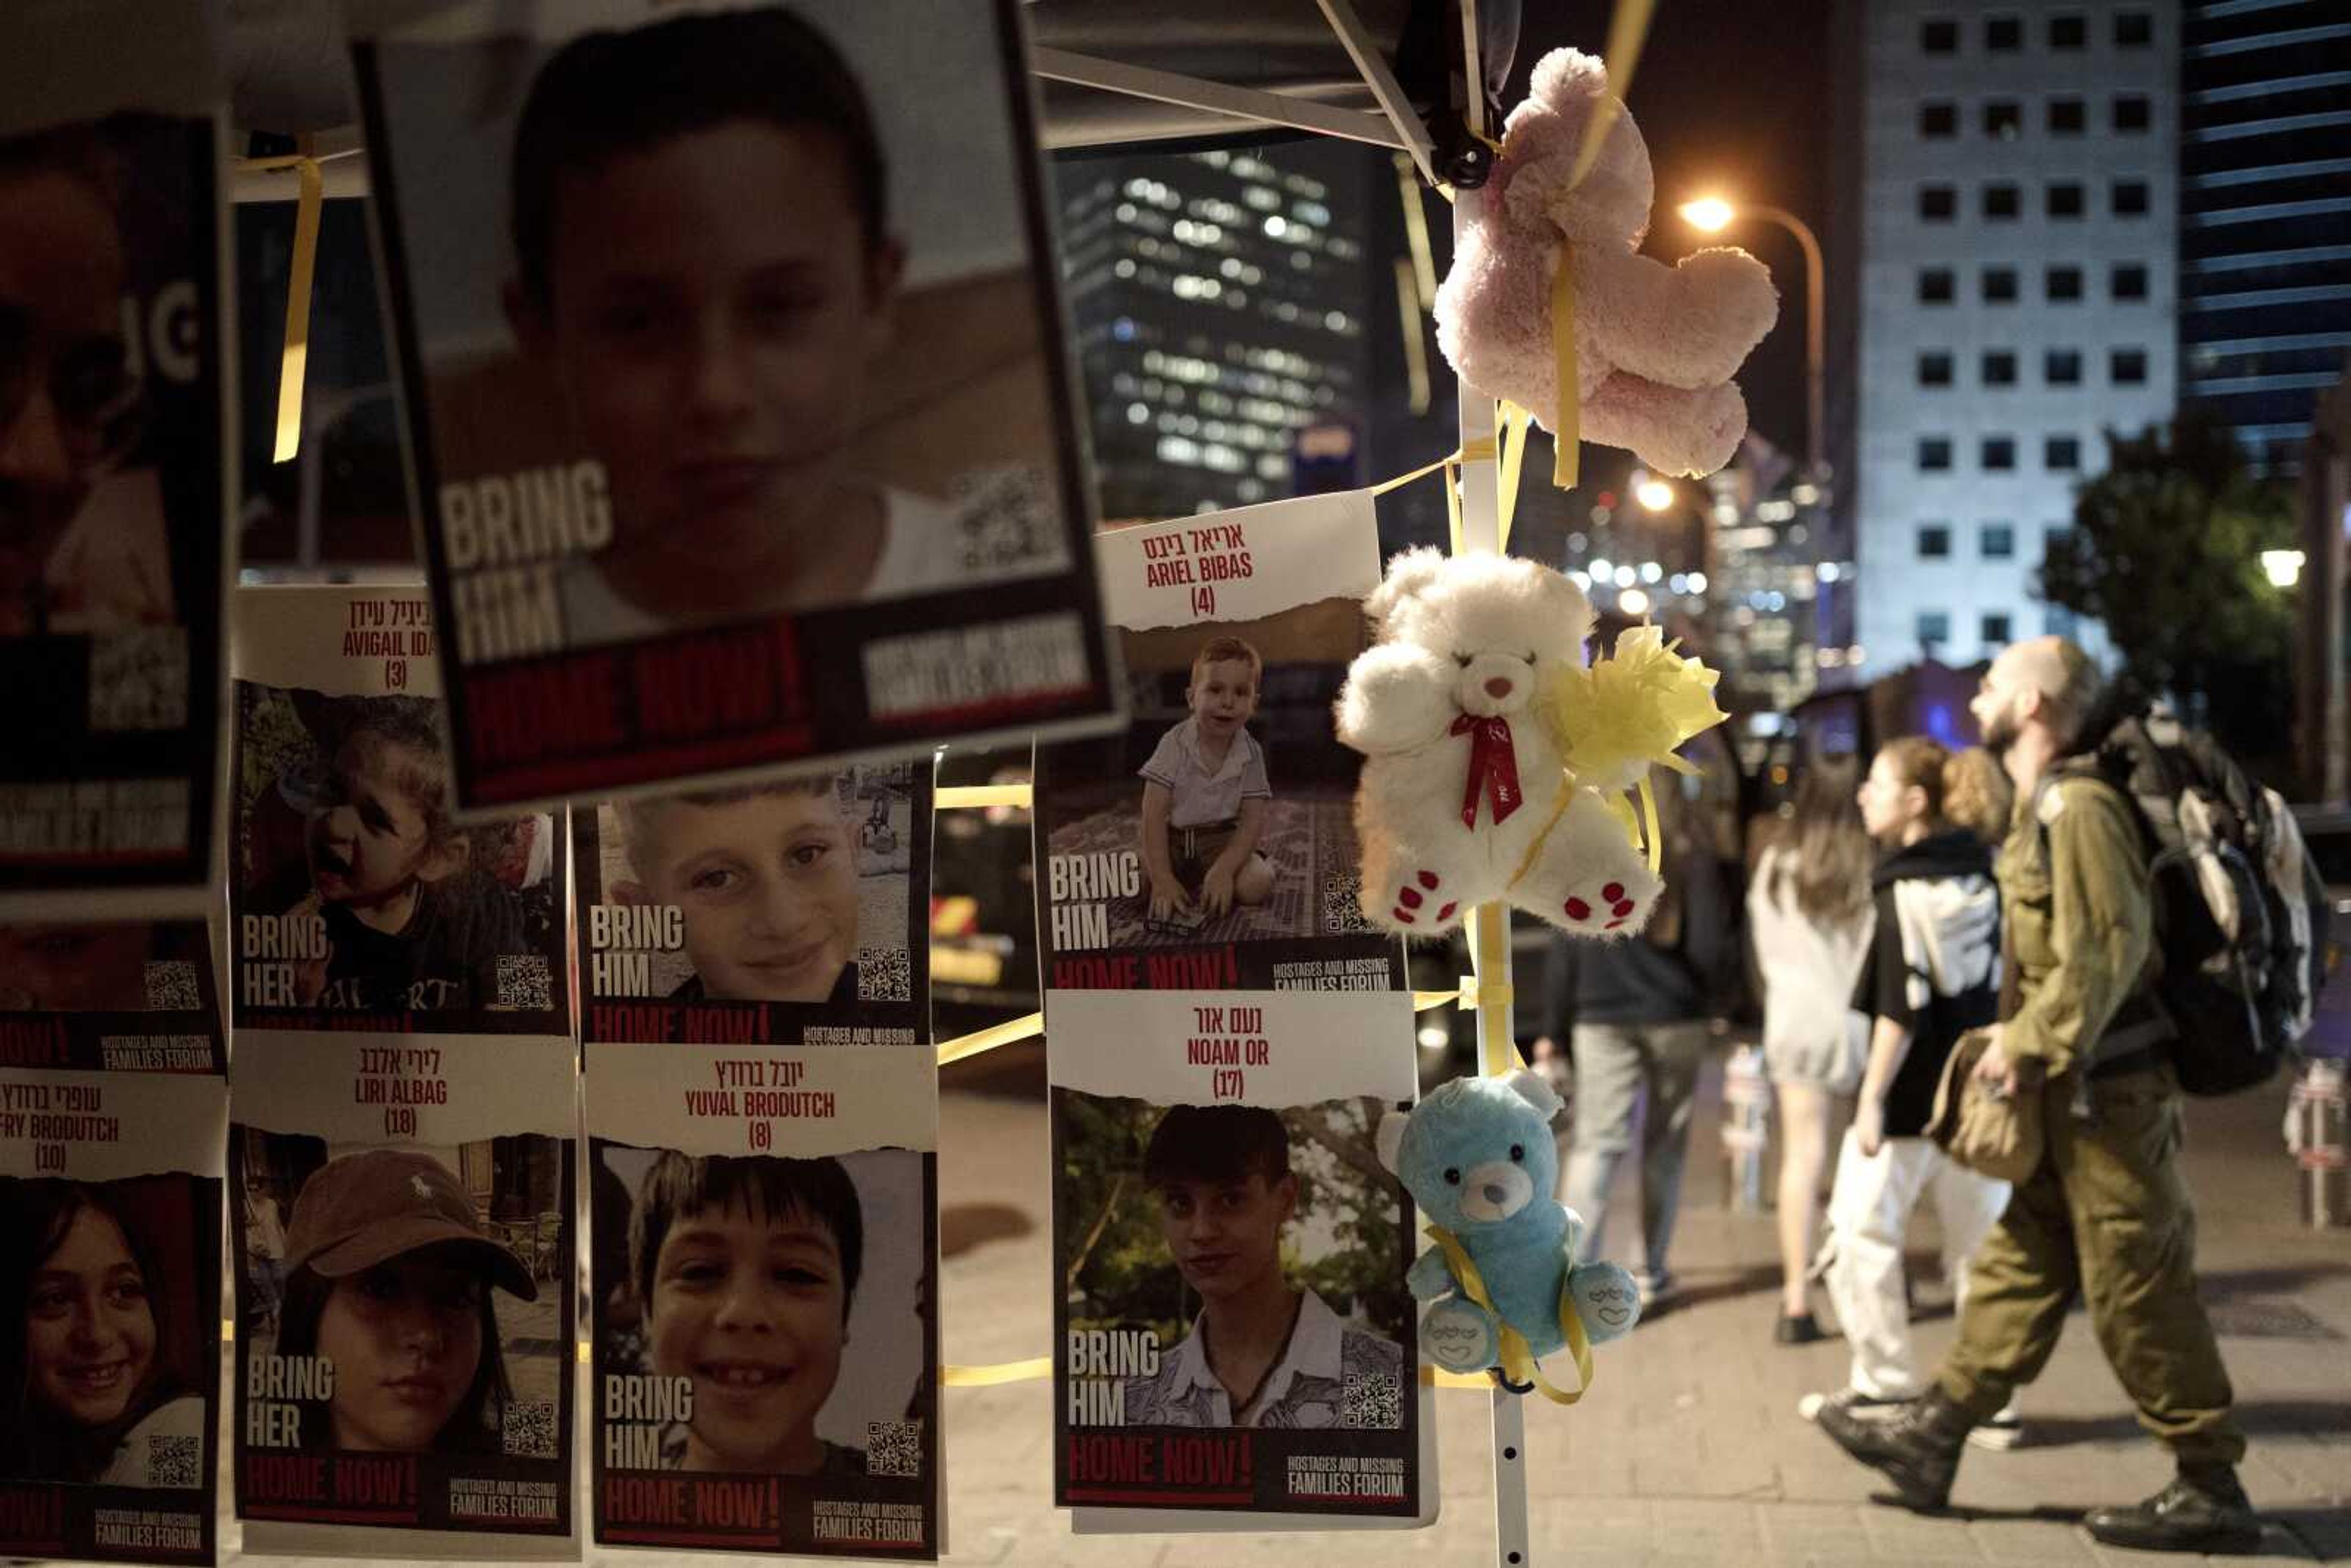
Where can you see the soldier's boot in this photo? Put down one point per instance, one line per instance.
(2203, 1509)
(1917, 1448)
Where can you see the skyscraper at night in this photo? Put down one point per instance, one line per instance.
(2264, 213)
(2009, 279)
(1220, 301)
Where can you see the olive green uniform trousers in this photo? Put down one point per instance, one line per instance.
(2107, 1213)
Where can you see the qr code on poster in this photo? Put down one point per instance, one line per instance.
(172, 987)
(528, 1430)
(1006, 515)
(139, 679)
(175, 1462)
(1373, 1401)
(884, 975)
(1342, 908)
(524, 982)
(893, 1449)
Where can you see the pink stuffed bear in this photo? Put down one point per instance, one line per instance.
(1655, 345)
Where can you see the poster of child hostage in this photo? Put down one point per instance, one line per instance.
(109, 1365)
(404, 1347)
(1213, 844)
(742, 428)
(354, 891)
(758, 1316)
(113, 487)
(808, 896)
(1239, 1271)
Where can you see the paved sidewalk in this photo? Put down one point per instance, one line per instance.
(1690, 1448)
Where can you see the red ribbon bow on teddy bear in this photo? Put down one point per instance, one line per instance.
(1493, 767)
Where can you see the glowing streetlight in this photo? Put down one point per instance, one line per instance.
(1654, 495)
(1712, 214)
(1708, 214)
(2284, 567)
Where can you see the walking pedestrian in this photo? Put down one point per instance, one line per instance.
(1638, 1017)
(1808, 910)
(1930, 974)
(2105, 1214)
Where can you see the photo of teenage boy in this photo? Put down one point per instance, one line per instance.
(1205, 793)
(1261, 1352)
(88, 1389)
(766, 880)
(744, 1271)
(414, 919)
(388, 1277)
(706, 270)
(72, 556)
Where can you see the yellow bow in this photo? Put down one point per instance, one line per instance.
(1519, 1364)
(1630, 711)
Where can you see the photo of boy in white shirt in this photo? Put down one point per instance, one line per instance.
(1205, 794)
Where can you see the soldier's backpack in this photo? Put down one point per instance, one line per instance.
(2240, 912)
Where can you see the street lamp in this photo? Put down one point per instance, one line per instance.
(1711, 214)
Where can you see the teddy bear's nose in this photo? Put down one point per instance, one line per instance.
(1498, 687)
(1496, 1192)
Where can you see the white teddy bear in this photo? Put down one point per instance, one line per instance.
(1465, 796)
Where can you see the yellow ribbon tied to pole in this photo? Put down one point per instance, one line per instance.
(1519, 1364)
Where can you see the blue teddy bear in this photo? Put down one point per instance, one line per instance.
(1477, 1156)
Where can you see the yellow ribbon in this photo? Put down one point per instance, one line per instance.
(964, 797)
(1567, 426)
(997, 1372)
(1519, 1364)
(1629, 28)
(310, 200)
(963, 1045)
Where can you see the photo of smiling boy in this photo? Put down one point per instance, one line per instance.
(1261, 1352)
(744, 1273)
(766, 880)
(1205, 793)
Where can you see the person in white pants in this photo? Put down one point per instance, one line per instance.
(1932, 973)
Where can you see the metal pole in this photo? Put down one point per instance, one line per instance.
(1816, 333)
(1489, 951)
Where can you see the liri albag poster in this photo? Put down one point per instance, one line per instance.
(739, 416)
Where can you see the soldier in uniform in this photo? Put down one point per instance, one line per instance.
(2107, 1212)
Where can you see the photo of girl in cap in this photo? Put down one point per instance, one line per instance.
(94, 1380)
(388, 1277)
(347, 818)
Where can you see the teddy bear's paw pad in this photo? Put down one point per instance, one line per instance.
(1604, 908)
(1415, 898)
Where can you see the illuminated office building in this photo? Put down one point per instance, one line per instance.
(1220, 301)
